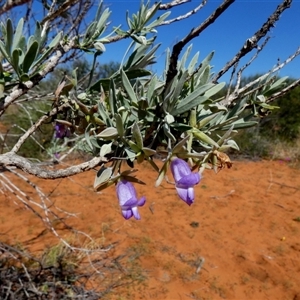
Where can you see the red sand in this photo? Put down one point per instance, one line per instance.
(241, 225)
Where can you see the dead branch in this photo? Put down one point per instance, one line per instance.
(185, 16)
(12, 159)
(11, 4)
(173, 3)
(252, 42)
(172, 70)
(242, 90)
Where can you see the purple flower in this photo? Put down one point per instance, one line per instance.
(184, 179)
(61, 131)
(128, 200)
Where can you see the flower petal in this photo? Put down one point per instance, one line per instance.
(125, 192)
(136, 213)
(127, 214)
(179, 168)
(130, 203)
(186, 194)
(142, 201)
(189, 180)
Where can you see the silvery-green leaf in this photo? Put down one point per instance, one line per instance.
(30, 56)
(103, 175)
(240, 124)
(178, 147)
(268, 106)
(99, 46)
(130, 154)
(149, 152)
(225, 136)
(201, 136)
(159, 20)
(18, 34)
(119, 124)
(181, 63)
(105, 149)
(193, 62)
(82, 96)
(278, 83)
(204, 76)
(137, 135)
(9, 36)
(216, 107)
(215, 89)
(192, 100)
(230, 144)
(128, 87)
(56, 40)
(108, 133)
(112, 98)
(168, 133)
(15, 60)
(169, 119)
(162, 173)
(261, 98)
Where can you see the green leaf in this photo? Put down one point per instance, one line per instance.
(4, 51)
(119, 124)
(30, 56)
(18, 34)
(240, 125)
(162, 173)
(108, 133)
(179, 146)
(148, 152)
(9, 36)
(193, 62)
(137, 135)
(105, 149)
(112, 97)
(201, 136)
(128, 87)
(192, 100)
(205, 120)
(215, 89)
(56, 40)
(102, 177)
(15, 60)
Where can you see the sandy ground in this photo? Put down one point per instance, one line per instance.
(239, 240)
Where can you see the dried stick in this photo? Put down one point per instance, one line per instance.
(172, 70)
(173, 3)
(12, 159)
(252, 42)
(185, 16)
(11, 4)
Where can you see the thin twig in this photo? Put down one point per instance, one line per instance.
(252, 42)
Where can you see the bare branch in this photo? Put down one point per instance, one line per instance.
(12, 159)
(252, 42)
(236, 95)
(185, 16)
(11, 4)
(226, 102)
(172, 70)
(174, 3)
(55, 13)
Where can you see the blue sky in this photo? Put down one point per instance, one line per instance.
(226, 36)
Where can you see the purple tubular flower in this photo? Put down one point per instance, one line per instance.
(128, 199)
(185, 180)
(61, 131)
